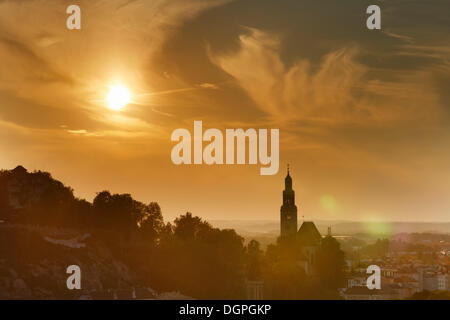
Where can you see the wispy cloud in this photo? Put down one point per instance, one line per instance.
(338, 90)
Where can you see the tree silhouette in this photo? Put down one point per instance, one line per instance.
(254, 260)
(151, 223)
(330, 263)
(188, 227)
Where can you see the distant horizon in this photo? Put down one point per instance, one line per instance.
(335, 221)
(168, 217)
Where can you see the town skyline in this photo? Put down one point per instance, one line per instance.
(299, 262)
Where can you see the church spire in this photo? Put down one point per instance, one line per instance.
(288, 180)
(288, 208)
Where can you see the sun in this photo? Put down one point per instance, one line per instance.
(118, 97)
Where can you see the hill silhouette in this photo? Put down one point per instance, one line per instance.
(118, 242)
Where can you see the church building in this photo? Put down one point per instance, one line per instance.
(307, 237)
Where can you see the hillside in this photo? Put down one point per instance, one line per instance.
(122, 246)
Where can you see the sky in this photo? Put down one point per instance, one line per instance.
(364, 115)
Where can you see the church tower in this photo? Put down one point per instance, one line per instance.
(288, 209)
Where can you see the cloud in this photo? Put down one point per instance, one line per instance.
(208, 86)
(28, 64)
(402, 37)
(81, 131)
(339, 90)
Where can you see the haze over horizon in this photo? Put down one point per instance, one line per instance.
(363, 115)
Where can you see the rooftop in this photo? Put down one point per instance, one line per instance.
(308, 234)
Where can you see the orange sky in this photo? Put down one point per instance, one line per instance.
(363, 115)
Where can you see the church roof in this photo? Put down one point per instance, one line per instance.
(308, 234)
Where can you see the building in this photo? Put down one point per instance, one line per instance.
(288, 211)
(309, 239)
(356, 279)
(442, 281)
(363, 293)
(433, 281)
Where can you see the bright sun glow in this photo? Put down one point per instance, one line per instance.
(118, 97)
